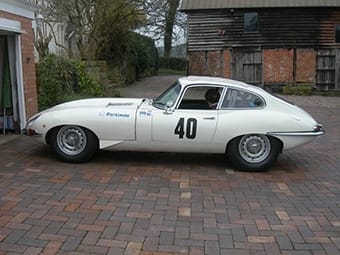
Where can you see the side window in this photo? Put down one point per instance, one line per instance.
(337, 33)
(250, 22)
(200, 98)
(235, 98)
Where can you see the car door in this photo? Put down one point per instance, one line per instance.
(191, 123)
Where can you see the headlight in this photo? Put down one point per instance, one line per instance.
(29, 130)
(32, 119)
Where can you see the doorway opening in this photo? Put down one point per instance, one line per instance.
(9, 107)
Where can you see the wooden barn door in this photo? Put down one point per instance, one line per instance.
(328, 69)
(246, 65)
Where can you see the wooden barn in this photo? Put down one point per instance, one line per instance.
(266, 42)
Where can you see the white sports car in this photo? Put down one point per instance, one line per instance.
(195, 114)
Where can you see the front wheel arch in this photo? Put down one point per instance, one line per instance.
(238, 155)
(90, 148)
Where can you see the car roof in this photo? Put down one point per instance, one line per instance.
(209, 80)
(195, 80)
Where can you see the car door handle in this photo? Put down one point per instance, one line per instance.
(209, 118)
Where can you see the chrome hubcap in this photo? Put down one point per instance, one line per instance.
(254, 148)
(71, 140)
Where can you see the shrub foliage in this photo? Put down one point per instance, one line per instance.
(60, 80)
(178, 64)
(299, 90)
(135, 57)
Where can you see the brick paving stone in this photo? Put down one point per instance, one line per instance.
(151, 244)
(211, 248)
(133, 248)
(71, 243)
(196, 251)
(33, 251)
(261, 239)
(112, 243)
(166, 238)
(91, 238)
(92, 249)
(284, 243)
(116, 251)
(52, 248)
(184, 211)
(14, 236)
(19, 249)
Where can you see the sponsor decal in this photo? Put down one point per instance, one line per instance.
(145, 113)
(114, 114)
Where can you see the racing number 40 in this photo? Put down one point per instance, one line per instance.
(188, 129)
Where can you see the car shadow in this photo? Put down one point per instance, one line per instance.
(165, 159)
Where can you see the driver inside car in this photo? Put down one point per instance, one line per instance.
(212, 96)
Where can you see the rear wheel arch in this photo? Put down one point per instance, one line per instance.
(272, 137)
(244, 159)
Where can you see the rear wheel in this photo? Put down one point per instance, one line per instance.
(73, 143)
(254, 152)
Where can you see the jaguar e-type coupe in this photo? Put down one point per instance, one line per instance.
(195, 114)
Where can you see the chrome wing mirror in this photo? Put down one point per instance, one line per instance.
(168, 106)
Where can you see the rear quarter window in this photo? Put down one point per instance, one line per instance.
(240, 99)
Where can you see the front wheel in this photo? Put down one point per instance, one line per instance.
(254, 152)
(73, 143)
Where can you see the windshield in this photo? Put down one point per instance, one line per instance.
(168, 97)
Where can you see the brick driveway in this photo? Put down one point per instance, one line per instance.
(166, 203)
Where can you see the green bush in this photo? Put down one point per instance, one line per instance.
(87, 85)
(178, 64)
(134, 55)
(60, 80)
(142, 58)
(299, 90)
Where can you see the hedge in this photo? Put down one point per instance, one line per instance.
(179, 64)
(60, 80)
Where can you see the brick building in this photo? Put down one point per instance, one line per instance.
(18, 96)
(266, 42)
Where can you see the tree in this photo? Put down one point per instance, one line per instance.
(43, 33)
(88, 21)
(169, 25)
(118, 18)
(164, 22)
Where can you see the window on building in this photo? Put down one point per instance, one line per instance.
(337, 33)
(250, 22)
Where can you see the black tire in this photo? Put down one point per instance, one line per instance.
(73, 144)
(254, 152)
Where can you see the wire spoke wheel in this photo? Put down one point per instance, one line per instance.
(71, 140)
(254, 148)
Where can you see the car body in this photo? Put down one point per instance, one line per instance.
(247, 123)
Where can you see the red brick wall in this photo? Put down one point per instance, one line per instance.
(226, 62)
(215, 63)
(211, 63)
(27, 48)
(278, 65)
(306, 65)
(197, 63)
